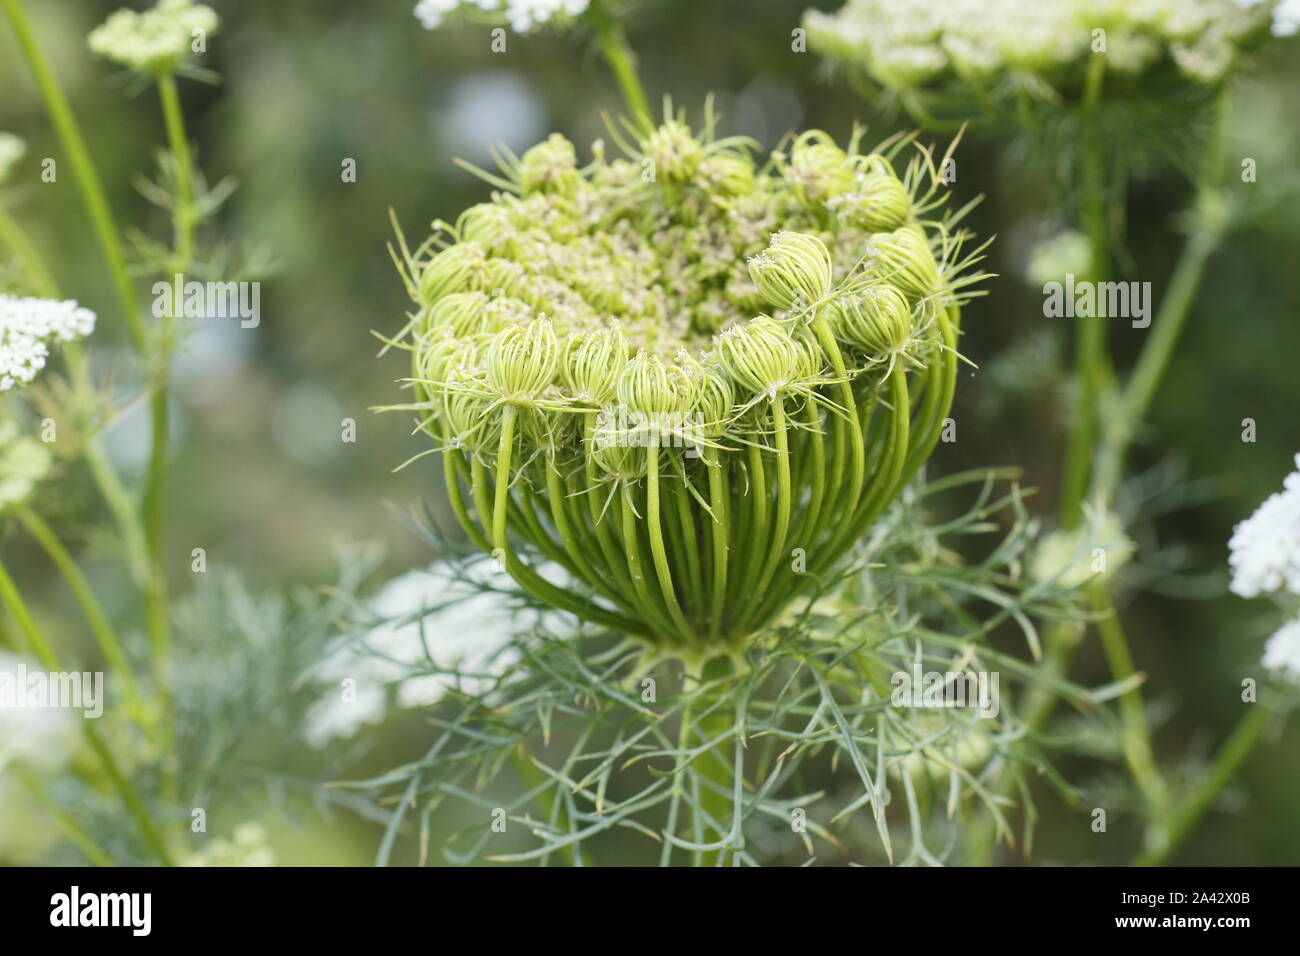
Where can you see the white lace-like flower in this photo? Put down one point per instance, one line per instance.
(27, 325)
(906, 45)
(467, 629)
(154, 41)
(1282, 652)
(524, 16)
(12, 149)
(1265, 548)
(248, 846)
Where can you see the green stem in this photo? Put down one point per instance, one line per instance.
(105, 636)
(1137, 734)
(10, 597)
(80, 838)
(718, 504)
(1090, 355)
(617, 53)
(663, 570)
(1226, 763)
(87, 180)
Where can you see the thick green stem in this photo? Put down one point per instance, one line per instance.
(1090, 348)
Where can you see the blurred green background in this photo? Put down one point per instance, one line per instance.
(263, 482)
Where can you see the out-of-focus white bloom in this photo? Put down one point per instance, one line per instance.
(1282, 652)
(1286, 18)
(906, 45)
(26, 325)
(1093, 551)
(1265, 548)
(249, 846)
(24, 463)
(39, 736)
(12, 149)
(1067, 253)
(466, 629)
(524, 16)
(154, 41)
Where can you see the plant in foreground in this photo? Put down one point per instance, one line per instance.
(689, 381)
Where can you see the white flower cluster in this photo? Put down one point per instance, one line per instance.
(524, 16)
(907, 45)
(1264, 554)
(27, 325)
(1286, 14)
(466, 629)
(154, 41)
(1265, 548)
(1282, 652)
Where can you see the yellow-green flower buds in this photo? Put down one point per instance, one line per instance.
(550, 167)
(728, 173)
(877, 319)
(593, 363)
(674, 152)
(760, 355)
(613, 453)
(715, 400)
(794, 271)
(557, 309)
(879, 203)
(471, 422)
(490, 225)
(455, 269)
(522, 362)
(652, 386)
(903, 258)
(818, 169)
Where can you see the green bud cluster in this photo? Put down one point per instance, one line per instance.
(676, 374)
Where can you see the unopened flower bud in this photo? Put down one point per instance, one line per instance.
(879, 203)
(818, 169)
(550, 167)
(878, 319)
(593, 363)
(903, 258)
(760, 355)
(795, 268)
(455, 269)
(675, 152)
(522, 361)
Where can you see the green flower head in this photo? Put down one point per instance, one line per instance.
(589, 354)
(156, 41)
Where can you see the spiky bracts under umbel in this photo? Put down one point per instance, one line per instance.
(592, 355)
